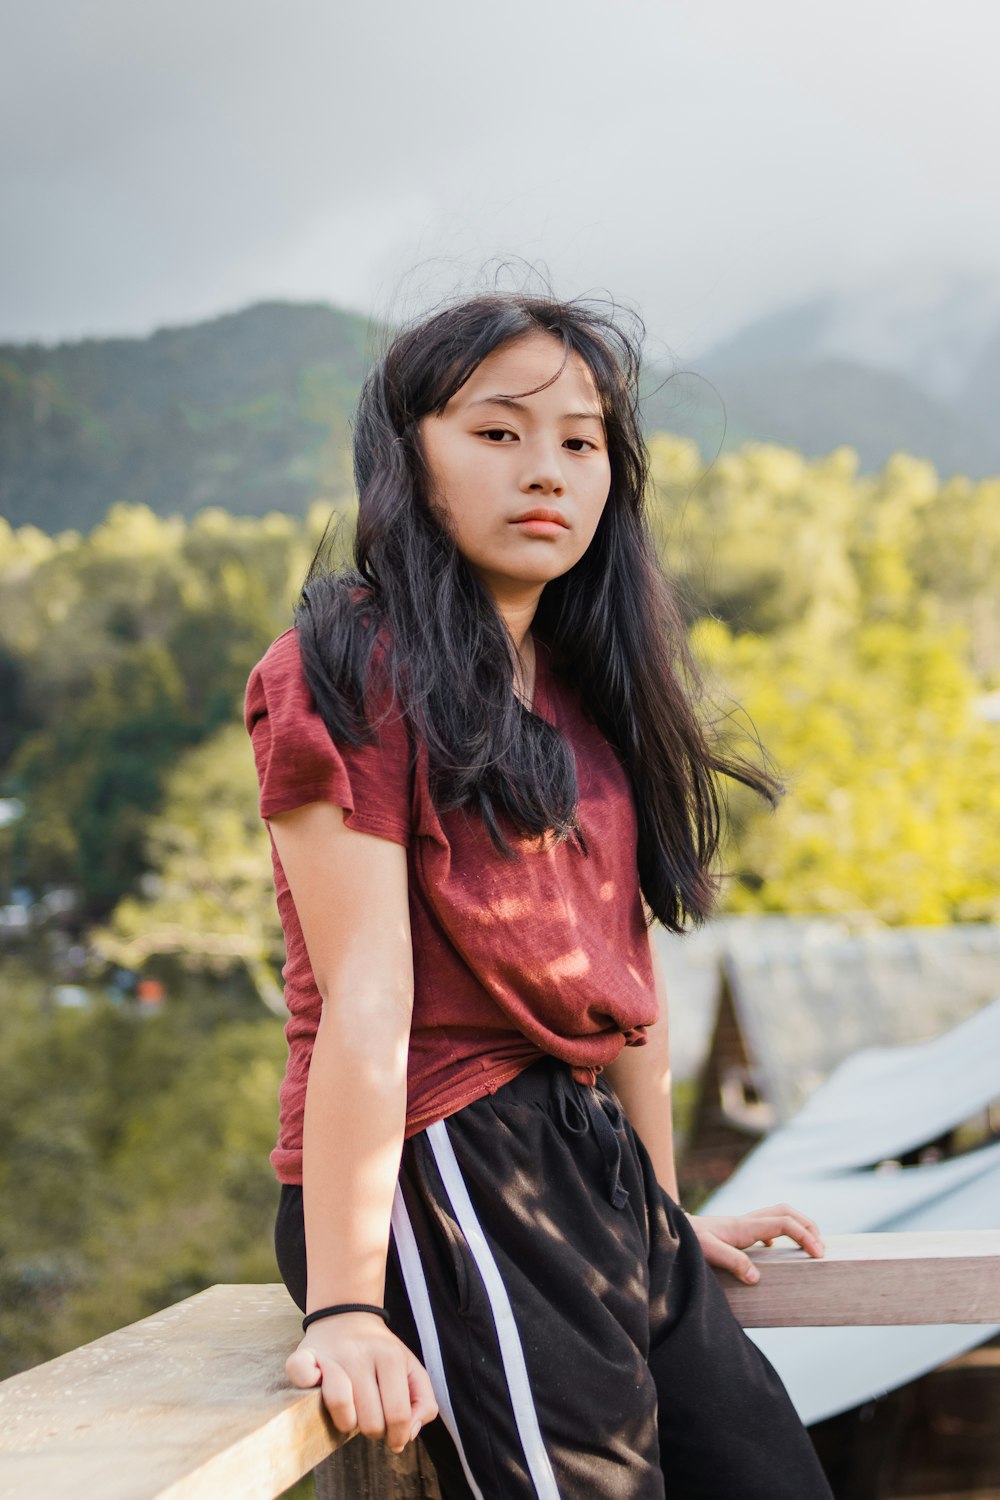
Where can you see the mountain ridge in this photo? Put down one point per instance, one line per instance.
(251, 410)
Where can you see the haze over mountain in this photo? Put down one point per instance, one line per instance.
(909, 362)
(250, 411)
(924, 322)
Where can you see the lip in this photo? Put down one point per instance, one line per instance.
(542, 514)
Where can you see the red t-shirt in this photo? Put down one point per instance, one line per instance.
(548, 953)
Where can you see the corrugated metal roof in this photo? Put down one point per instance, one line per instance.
(878, 1104)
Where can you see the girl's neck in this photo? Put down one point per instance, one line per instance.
(525, 669)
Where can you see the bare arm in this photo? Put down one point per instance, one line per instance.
(350, 893)
(640, 1076)
(349, 890)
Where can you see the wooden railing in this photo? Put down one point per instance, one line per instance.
(193, 1404)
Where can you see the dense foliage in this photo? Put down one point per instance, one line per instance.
(123, 648)
(134, 1170)
(855, 623)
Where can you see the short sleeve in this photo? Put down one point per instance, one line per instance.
(298, 761)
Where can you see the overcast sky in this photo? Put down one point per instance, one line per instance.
(702, 160)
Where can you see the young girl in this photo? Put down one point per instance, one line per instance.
(483, 777)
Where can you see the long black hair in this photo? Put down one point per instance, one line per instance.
(612, 621)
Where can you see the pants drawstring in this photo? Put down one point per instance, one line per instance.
(585, 1107)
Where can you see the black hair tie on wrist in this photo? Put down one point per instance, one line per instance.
(326, 1312)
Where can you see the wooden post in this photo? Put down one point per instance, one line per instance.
(364, 1469)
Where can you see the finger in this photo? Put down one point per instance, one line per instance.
(797, 1228)
(783, 1210)
(423, 1406)
(811, 1228)
(805, 1232)
(303, 1368)
(394, 1392)
(729, 1258)
(367, 1400)
(338, 1397)
(741, 1230)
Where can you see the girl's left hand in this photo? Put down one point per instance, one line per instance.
(724, 1239)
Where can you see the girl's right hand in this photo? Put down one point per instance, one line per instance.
(372, 1383)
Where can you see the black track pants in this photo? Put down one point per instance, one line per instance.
(578, 1343)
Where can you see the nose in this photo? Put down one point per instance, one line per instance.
(542, 471)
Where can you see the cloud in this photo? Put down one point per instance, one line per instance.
(163, 162)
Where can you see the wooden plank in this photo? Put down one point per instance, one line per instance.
(950, 1276)
(192, 1402)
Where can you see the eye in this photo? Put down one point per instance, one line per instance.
(582, 440)
(497, 432)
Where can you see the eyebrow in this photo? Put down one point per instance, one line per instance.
(509, 401)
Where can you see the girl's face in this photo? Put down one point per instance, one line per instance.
(492, 460)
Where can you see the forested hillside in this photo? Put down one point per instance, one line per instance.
(248, 411)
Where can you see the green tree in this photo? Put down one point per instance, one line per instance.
(893, 802)
(208, 900)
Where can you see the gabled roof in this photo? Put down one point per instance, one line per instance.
(809, 1000)
(809, 991)
(692, 965)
